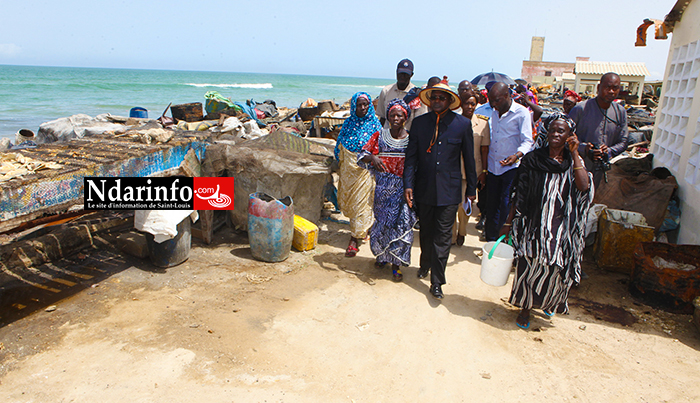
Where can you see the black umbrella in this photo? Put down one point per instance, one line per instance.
(484, 78)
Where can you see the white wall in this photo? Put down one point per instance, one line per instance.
(676, 140)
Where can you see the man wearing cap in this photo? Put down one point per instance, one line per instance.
(511, 138)
(432, 179)
(404, 72)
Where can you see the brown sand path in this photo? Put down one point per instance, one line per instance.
(321, 327)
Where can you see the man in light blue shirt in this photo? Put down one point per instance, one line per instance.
(511, 138)
(484, 110)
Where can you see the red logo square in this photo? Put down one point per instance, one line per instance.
(213, 193)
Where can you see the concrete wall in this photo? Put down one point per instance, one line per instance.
(539, 80)
(676, 140)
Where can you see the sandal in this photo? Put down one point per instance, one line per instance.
(352, 249)
(548, 314)
(398, 276)
(379, 265)
(520, 318)
(524, 327)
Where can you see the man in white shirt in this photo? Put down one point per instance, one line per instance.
(404, 72)
(511, 138)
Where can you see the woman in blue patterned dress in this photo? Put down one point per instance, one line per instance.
(355, 185)
(391, 235)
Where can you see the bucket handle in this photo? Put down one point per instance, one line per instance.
(495, 245)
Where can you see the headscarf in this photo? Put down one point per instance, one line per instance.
(398, 103)
(573, 95)
(549, 119)
(543, 130)
(356, 130)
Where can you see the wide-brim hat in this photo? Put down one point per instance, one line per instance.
(426, 93)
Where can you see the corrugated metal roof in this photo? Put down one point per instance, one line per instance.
(621, 68)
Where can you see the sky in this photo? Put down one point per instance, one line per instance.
(358, 38)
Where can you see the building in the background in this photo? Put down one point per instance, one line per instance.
(566, 81)
(676, 140)
(538, 72)
(581, 76)
(588, 76)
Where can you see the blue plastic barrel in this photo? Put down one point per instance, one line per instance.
(138, 112)
(270, 227)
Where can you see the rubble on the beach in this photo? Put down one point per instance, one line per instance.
(279, 164)
(224, 120)
(77, 126)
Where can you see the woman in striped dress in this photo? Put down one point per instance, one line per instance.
(551, 197)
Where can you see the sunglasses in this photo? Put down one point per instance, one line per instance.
(438, 98)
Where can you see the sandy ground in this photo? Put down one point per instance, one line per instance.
(223, 327)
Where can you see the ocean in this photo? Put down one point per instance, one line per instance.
(32, 95)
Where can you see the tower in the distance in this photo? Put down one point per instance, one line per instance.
(537, 49)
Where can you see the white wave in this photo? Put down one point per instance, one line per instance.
(356, 85)
(257, 86)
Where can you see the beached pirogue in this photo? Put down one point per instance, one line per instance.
(51, 179)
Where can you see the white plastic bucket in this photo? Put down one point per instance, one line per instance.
(495, 270)
(24, 135)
